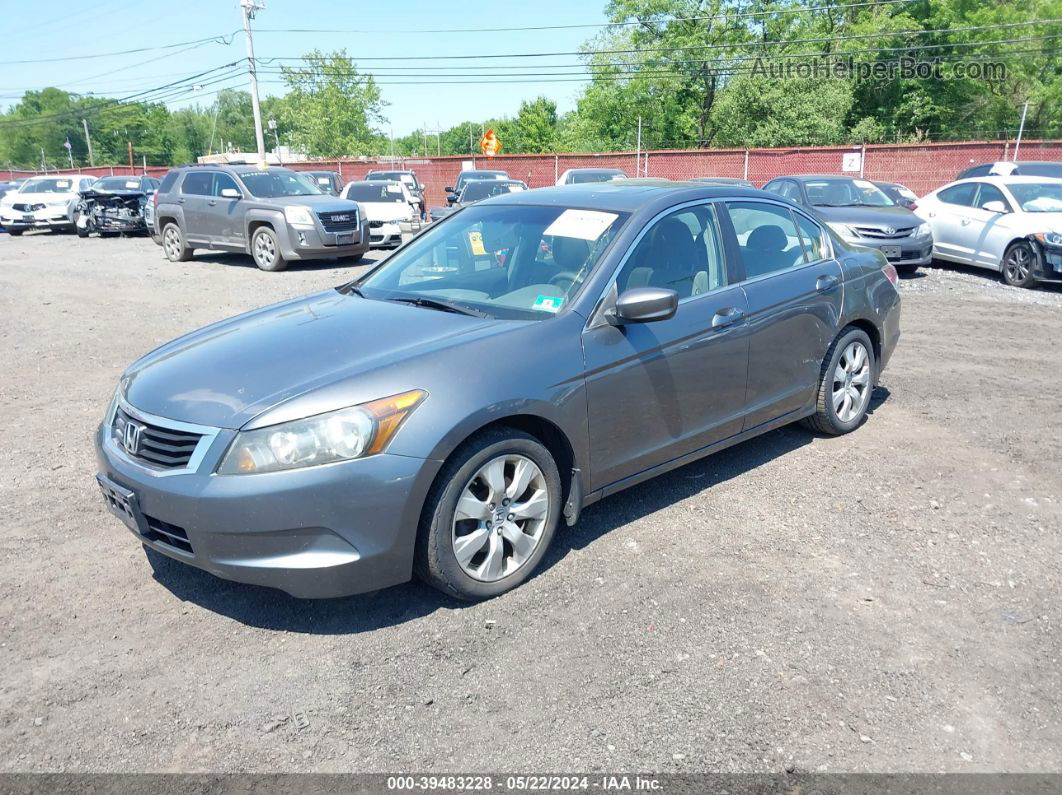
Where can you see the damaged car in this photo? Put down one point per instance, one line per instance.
(113, 205)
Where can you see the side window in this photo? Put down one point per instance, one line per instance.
(222, 181)
(990, 193)
(959, 194)
(681, 252)
(811, 237)
(767, 237)
(197, 183)
(168, 181)
(789, 190)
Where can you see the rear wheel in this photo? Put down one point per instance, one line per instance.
(907, 270)
(265, 248)
(15, 232)
(845, 383)
(173, 245)
(1018, 264)
(490, 516)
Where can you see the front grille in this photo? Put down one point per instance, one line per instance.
(343, 221)
(161, 447)
(879, 233)
(375, 224)
(165, 533)
(26, 208)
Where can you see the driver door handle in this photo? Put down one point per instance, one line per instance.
(826, 283)
(180, 200)
(727, 317)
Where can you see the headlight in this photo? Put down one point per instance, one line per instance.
(341, 435)
(843, 230)
(923, 229)
(1051, 238)
(298, 216)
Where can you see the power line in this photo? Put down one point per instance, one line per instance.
(726, 17)
(225, 39)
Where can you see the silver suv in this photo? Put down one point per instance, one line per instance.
(274, 214)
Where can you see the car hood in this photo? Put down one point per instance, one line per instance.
(318, 203)
(869, 216)
(38, 198)
(226, 374)
(386, 211)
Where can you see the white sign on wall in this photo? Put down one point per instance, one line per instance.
(851, 161)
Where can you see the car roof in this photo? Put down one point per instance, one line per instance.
(818, 176)
(484, 171)
(596, 168)
(628, 195)
(1003, 179)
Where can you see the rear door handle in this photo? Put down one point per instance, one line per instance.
(180, 201)
(964, 221)
(212, 202)
(727, 317)
(826, 283)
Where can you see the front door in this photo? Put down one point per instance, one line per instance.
(795, 297)
(656, 391)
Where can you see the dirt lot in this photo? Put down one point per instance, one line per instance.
(885, 601)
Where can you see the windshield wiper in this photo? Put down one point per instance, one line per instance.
(436, 303)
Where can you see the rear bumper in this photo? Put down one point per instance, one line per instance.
(318, 532)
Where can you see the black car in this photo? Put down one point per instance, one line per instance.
(328, 181)
(476, 190)
(113, 205)
(901, 194)
(744, 183)
(1011, 168)
(453, 192)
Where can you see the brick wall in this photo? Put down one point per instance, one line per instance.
(922, 167)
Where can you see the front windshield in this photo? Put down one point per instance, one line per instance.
(1038, 197)
(44, 185)
(846, 193)
(116, 183)
(375, 192)
(484, 188)
(393, 176)
(518, 262)
(272, 184)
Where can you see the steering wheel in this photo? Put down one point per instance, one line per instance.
(564, 276)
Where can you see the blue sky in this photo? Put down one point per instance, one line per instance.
(49, 29)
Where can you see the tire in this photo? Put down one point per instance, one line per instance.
(484, 531)
(173, 246)
(82, 231)
(265, 249)
(15, 232)
(907, 270)
(1019, 263)
(833, 415)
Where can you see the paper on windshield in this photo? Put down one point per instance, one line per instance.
(62, 183)
(581, 224)
(322, 180)
(864, 184)
(394, 188)
(132, 183)
(515, 188)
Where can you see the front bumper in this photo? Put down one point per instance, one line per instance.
(386, 235)
(299, 242)
(1050, 263)
(48, 218)
(902, 251)
(319, 532)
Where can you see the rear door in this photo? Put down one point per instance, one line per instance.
(657, 391)
(949, 216)
(195, 197)
(794, 292)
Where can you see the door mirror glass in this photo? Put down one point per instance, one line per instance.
(643, 305)
(230, 193)
(449, 189)
(994, 206)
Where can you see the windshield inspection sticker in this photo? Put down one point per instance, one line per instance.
(62, 183)
(475, 239)
(581, 224)
(548, 303)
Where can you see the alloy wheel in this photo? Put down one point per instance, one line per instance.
(851, 382)
(171, 243)
(265, 250)
(1017, 264)
(500, 517)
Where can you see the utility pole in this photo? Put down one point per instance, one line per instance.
(88, 141)
(44, 165)
(1021, 129)
(276, 137)
(250, 7)
(638, 153)
(132, 168)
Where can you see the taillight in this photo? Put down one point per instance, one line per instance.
(155, 199)
(912, 206)
(891, 274)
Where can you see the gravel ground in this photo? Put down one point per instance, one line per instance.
(884, 601)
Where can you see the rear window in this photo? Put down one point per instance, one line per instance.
(168, 181)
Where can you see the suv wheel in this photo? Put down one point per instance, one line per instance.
(173, 244)
(265, 248)
(490, 516)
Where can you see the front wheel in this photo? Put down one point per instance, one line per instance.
(1018, 262)
(265, 248)
(490, 516)
(845, 384)
(15, 232)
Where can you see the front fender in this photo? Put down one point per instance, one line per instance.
(274, 218)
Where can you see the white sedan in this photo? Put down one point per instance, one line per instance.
(385, 206)
(43, 203)
(1008, 224)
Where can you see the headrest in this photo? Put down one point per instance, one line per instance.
(768, 238)
(570, 253)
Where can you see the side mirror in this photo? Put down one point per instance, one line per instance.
(449, 189)
(643, 305)
(995, 206)
(231, 193)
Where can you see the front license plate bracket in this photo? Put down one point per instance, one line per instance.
(122, 503)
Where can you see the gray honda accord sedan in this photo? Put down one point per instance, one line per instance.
(516, 362)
